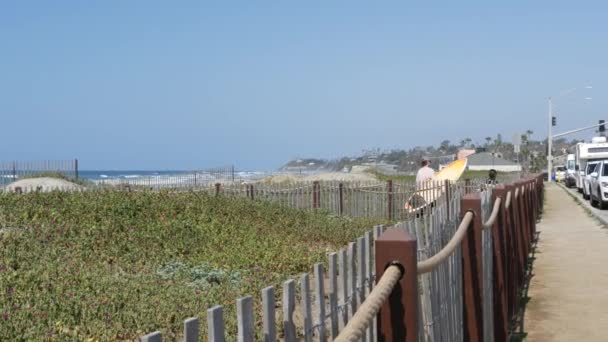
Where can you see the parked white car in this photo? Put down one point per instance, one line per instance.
(598, 185)
(589, 170)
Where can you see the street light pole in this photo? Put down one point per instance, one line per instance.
(550, 141)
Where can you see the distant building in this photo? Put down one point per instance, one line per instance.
(486, 161)
(560, 160)
(464, 153)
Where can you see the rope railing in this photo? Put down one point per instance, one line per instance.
(356, 327)
(490, 222)
(429, 264)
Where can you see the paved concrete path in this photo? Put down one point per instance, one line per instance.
(569, 292)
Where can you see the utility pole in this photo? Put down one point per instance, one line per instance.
(550, 141)
(552, 122)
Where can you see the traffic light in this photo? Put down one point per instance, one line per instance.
(553, 121)
(602, 127)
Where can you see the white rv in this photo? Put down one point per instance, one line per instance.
(588, 153)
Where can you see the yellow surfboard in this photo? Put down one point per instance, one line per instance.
(452, 171)
(427, 195)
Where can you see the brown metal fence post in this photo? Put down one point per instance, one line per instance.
(526, 207)
(499, 243)
(530, 211)
(519, 241)
(76, 168)
(523, 216)
(398, 317)
(532, 208)
(217, 189)
(472, 275)
(539, 203)
(511, 254)
(341, 198)
(389, 186)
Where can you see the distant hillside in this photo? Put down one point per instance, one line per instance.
(532, 155)
(306, 164)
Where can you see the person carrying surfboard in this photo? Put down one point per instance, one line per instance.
(424, 196)
(425, 172)
(423, 177)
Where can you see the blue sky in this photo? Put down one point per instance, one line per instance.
(188, 84)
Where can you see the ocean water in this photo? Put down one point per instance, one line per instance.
(95, 175)
(172, 177)
(153, 177)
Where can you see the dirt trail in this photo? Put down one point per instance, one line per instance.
(569, 292)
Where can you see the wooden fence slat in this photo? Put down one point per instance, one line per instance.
(244, 313)
(343, 283)
(306, 307)
(369, 265)
(191, 330)
(269, 323)
(320, 298)
(215, 324)
(352, 281)
(289, 304)
(377, 232)
(333, 294)
(361, 273)
(152, 337)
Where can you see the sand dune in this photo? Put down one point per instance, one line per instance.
(44, 184)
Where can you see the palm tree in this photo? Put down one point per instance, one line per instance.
(488, 139)
(444, 146)
(529, 133)
(498, 142)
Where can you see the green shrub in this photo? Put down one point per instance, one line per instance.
(118, 265)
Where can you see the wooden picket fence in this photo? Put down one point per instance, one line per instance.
(336, 292)
(348, 279)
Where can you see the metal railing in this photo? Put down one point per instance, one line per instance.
(15, 170)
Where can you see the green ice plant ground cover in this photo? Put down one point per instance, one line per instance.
(112, 265)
